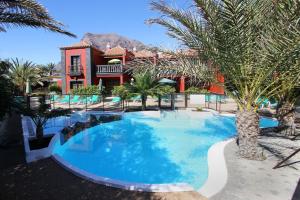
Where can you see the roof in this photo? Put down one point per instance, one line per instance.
(163, 55)
(81, 44)
(144, 54)
(172, 55)
(189, 52)
(118, 50)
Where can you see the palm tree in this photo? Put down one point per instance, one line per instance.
(144, 84)
(48, 69)
(236, 37)
(28, 13)
(6, 89)
(51, 68)
(285, 52)
(41, 115)
(175, 64)
(20, 72)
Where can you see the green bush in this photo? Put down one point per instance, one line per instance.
(196, 90)
(89, 90)
(55, 88)
(122, 92)
(199, 109)
(164, 90)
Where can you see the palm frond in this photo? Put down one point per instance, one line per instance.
(28, 13)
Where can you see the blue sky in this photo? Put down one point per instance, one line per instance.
(95, 16)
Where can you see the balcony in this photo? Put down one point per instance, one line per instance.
(110, 69)
(75, 70)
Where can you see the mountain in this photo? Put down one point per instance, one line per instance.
(101, 41)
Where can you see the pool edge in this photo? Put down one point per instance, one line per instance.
(178, 187)
(212, 185)
(217, 170)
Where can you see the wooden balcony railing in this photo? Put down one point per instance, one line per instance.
(75, 70)
(109, 69)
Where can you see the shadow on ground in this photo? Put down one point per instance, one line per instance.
(296, 195)
(46, 180)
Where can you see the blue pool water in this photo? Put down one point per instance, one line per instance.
(151, 148)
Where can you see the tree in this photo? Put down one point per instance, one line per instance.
(6, 89)
(144, 84)
(50, 69)
(41, 115)
(175, 64)
(20, 72)
(162, 90)
(285, 52)
(236, 37)
(28, 13)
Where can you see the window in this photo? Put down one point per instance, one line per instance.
(76, 84)
(75, 63)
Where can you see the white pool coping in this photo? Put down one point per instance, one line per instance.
(178, 187)
(34, 155)
(215, 182)
(217, 170)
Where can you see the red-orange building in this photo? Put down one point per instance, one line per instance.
(83, 64)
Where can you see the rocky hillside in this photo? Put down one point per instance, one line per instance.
(101, 41)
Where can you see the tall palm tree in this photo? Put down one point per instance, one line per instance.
(20, 72)
(144, 84)
(6, 89)
(285, 52)
(28, 13)
(47, 70)
(236, 36)
(50, 68)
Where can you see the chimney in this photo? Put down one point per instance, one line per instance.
(107, 46)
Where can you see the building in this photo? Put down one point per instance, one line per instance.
(83, 64)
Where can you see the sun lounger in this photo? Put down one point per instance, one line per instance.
(54, 98)
(94, 99)
(115, 100)
(66, 99)
(136, 98)
(75, 99)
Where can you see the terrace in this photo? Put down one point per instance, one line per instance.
(109, 69)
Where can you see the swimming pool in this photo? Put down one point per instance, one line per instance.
(151, 147)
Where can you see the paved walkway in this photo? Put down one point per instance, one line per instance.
(256, 180)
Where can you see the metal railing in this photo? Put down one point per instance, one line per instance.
(108, 69)
(75, 70)
(111, 103)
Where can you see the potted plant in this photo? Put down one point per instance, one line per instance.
(40, 116)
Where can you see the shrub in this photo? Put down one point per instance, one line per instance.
(164, 90)
(121, 91)
(55, 88)
(196, 90)
(89, 90)
(199, 109)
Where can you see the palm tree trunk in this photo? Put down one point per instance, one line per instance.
(286, 118)
(144, 100)
(247, 123)
(39, 131)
